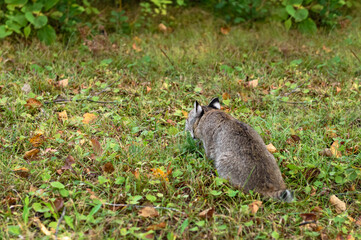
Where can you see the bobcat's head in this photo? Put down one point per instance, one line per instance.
(196, 114)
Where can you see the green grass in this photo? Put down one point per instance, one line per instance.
(143, 130)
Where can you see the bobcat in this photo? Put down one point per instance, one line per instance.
(239, 153)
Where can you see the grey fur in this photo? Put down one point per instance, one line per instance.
(238, 151)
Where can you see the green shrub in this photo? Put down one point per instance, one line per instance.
(43, 18)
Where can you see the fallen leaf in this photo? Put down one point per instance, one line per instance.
(252, 84)
(63, 83)
(339, 205)
(293, 139)
(136, 48)
(271, 148)
(334, 149)
(225, 30)
(171, 122)
(26, 88)
(338, 89)
(311, 173)
(331, 132)
(43, 229)
(325, 152)
(254, 206)
(185, 114)
(32, 154)
(340, 237)
(136, 174)
(162, 28)
(96, 146)
(22, 172)
(159, 173)
(226, 96)
(157, 226)
(88, 118)
(308, 217)
(326, 49)
(33, 103)
(68, 162)
(358, 221)
(148, 89)
(317, 209)
(350, 237)
(58, 204)
(148, 212)
(149, 236)
(208, 213)
(108, 167)
(62, 116)
(240, 229)
(37, 140)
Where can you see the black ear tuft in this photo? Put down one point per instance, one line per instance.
(215, 104)
(198, 109)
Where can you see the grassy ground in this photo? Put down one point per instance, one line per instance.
(135, 151)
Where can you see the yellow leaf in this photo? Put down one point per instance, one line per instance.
(185, 114)
(88, 118)
(32, 154)
(62, 116)
(226, 96)
(33, 103)
(339, 205)
(148, 89)
(63, 83)
(43, 229)
(37, 140)
(271, 148)
(159, 173)
(254, 206)
(148, 212)
(225, 30)
(334, 149)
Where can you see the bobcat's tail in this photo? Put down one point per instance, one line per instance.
(283, 195)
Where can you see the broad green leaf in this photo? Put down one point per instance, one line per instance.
(301, 14)
(19, 19)
(47, 34)
(40, 21)
(16, 2)
(4, 32)
(317, 8)
(57, 185)
(56, 15)
(13, 26)
(14, 230)
(94, 210)
(30, 17)
(290, 10)
(184, 225)
(307, 26)
(40, 208)
(69, 220)
(288, 24)
(49, 4)
(34, 8)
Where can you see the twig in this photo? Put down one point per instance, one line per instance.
(60, 219)
(354, 54)
(140, 206)
(298, 102)
(165, 54)
(78, 100)
(294, 90)
(307, 222)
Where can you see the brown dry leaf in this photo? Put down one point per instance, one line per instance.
(33, 103)
(271, 148)
(63, 83)
(108, 167)
(148, 212)
(68, 162)
(325, 152)
(339, 205)
(254, 206)
(225, 30)
(208, 213)
(331, 132)
(308, 217)
(317, 209)
(148, 89)
(162, 28)
(334, 149)
(32, 154)
(97, 148)
(58, 204)
(358, 222)
(88, 118)
(226, 96)
(37, 140)
(42, 227)
(293, 139)
(62, 116)
(157, 226)
(340, 237)
(338, 89)
(136, 174)
(240, 229)
(136, 48)
(252, 84)
(22, 172)
(171, 122)
(350, 237)
(326, 49)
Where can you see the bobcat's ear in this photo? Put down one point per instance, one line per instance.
(198, 109)
(215, 104)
